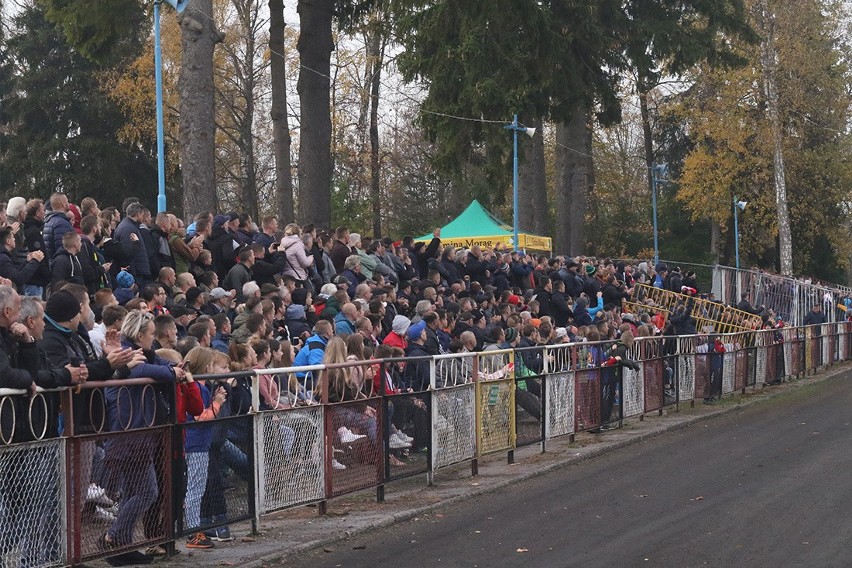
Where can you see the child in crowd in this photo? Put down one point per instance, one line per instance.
(200, 360)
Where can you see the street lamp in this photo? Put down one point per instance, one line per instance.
(515, 128)
(659, 174)
(738, 205)
(179, 6)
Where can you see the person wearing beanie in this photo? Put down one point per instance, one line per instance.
(63, 343)
(399, 333)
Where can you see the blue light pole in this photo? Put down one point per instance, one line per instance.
(741, 205)
(659, 173)
(515, 128)
(180, 6)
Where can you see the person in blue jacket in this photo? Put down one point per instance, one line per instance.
(313, 352)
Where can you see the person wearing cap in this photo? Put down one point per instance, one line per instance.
(398, 337)
(416, 375)
(219, 302)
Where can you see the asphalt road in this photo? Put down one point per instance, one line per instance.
(770, 485)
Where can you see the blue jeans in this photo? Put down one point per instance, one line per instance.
(139, 491)
(196, 482)
(37, 291)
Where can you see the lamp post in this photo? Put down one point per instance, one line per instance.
(659, 173)
(738, 205)
(179, 6)
(515, 128)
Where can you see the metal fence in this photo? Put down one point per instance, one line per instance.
(124, 473)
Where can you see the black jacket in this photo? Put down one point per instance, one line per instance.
(221, 245)
(559, 309)
(67, 267)
(34, 241)
(20, 275)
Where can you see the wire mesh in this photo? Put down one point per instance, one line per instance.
(728, 370)
(686, 377)
(121, 491)
(528, 409)
(453, 425)
(760, 375)
(633, 385)
(560, 403)
(292, 470)
(409, 415)
(611, 393)
(587, 400)
(495, 407)
(653, 377)
(740, 369)
(354, 448)
(32, 504)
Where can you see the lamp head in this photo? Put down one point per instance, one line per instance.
(178, 5)
(529, 132)
(741, 205)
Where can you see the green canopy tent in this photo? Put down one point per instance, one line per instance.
(477, 226)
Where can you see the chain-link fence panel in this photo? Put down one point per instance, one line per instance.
(408, 439)
(529, 393)
(708, 375)
(218, 485)
(560, 404)
(495, 406)
(760, 367)
(633, 383)
(354, 446)
(654, 378)
(32, 504)
(290, 457)
(611, 395)
(686, 377)
(728, 370)
(453, 425)
(587, 399)
(740, 369)
(120, 492)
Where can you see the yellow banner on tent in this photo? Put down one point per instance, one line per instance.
(531, 242)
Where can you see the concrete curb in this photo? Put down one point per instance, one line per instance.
(590, 453)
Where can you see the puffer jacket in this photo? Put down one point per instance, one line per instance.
(56, 224)
(298, 260)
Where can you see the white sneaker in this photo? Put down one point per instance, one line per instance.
(403, 436)
(337, 465)
(347, 436)
(101, 515)
(97, 494)
(397, 443)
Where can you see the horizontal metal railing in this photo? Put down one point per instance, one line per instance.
(287, 452)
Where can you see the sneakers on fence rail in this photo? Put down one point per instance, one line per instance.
(397, 442)
(403, 436)
(347, 436)
(97, 494)
(199, 540)
(337, 465)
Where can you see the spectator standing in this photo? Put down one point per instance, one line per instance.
(56, 224)
(129, 235)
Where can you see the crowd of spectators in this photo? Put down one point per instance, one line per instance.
(93, 294)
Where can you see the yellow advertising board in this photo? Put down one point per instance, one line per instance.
(528, 242)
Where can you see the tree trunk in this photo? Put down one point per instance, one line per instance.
(280, 122)
(534, 212)
(315, 161)
(197, 113)
(769, 63)
(376, 53)
(647, 133)
(574, 179)
(715, 238)
(248, 16)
